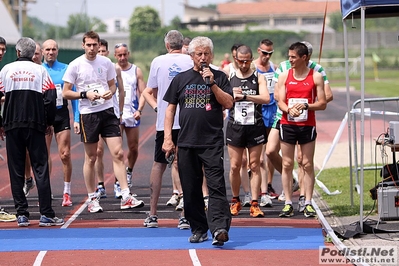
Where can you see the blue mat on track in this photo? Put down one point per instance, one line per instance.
(241, 238)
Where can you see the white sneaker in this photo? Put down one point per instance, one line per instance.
(94, 205)
(117, 191)
(180, 206)
(282, 196)
(131, 202)
(28, 185)
(247, 200)
(173, 201)
(265, 201)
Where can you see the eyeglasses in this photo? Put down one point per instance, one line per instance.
(120, 44)
(244, 61)
(266, 52)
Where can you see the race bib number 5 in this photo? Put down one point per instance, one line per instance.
(244, 113)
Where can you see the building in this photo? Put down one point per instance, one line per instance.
(290, 15)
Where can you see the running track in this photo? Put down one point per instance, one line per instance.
(118, 237)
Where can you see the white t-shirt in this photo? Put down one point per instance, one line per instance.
(163, 69)
(94, 76)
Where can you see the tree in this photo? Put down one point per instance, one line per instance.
(82, 23)
(176, 24)
(144, 19)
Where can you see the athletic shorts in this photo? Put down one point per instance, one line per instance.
(62, 121)
(159, 155)
(269, 114)
(104, 122)
(129, 121)
(245, 136)
(297, 134)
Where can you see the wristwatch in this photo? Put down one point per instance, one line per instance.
(306, 106)
(245, 97)
(156, 109)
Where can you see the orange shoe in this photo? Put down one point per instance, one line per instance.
(235, 207)
(255, 211)
(66, 200)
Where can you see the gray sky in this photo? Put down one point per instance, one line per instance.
(58, 11)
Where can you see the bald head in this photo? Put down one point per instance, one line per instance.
(50, 51)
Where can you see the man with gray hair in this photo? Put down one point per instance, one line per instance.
(28, 85)
(4, 215)
(202, 94)
(163, 69)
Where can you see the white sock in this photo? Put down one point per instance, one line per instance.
(92, 195)
(67, 188)
(125, 193)
(176, 192)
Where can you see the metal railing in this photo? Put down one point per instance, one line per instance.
(378, 113)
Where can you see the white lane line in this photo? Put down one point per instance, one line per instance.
(75, 215)
(39, 258)
(194, 257)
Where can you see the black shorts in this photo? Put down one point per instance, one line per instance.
(62, 120)
(159, 155)
(245, 136)
(104, 122)
(297, 134)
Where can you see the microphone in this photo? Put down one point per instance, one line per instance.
(207, 79)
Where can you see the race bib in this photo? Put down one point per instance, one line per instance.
(304, 114)
(128, 94)
(59, 101)
(96, 87)
(270, 82)
(244, 113)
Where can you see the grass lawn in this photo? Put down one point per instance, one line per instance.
(339, 179)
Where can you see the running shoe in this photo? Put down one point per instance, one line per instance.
(173, 201)
(6, 217)
(183, 224)
(206, 202)
(301, 204)
(23, 221)
(235, 207)
(46, 221)
(271, 192)
(29, 184)
(309, 211)
(247, 200)
(180, 206)
(94, 205)
(282, 196)
(131, 202)
(198, 237)
(66, 200)
(151, 221)
(287, 211)
(265, 201)
(129, 177)
(101, 191)
(117, 191)
(255, 211)
(220, 237)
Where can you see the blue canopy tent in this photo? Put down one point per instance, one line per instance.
(360, 9)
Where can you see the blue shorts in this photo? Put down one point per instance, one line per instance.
(269, 114)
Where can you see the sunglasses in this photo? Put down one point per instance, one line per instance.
(266, 52)
(244, 61)
(120, 45)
